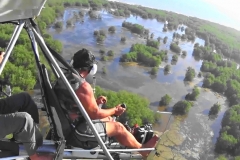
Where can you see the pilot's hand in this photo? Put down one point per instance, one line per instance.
(1, 56)
(119, 110)
(101, 100)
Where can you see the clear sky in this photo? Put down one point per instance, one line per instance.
(230, 8)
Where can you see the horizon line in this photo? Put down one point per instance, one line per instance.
(231, 27)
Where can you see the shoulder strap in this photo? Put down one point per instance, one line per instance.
(75, 74)
(60, 59)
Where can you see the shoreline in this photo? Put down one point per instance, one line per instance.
(211, 21)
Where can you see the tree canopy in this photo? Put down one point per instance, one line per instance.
(165, 100)
(182, 107)
(143, 54)
(138, 110)
(229, 138)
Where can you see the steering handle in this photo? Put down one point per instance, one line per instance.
(123, 105)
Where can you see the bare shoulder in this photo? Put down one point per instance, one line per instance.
(85, 87)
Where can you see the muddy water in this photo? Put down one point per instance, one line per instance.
(189, 137)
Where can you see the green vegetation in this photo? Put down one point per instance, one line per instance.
(193, 96)
(190, 74)
(165, 100)
(135, 28)
(152, 35)
(120, 12)
(215, 109)
(110, 53)
(182, 107)
(221, 157)
(123, 39)
(200, 74)
(104, 70)
(224, 39)
(96, 33)
(175, 48)
(165, 39)
(104, 58)
(112, 29)
(143, 54)
(140, 115)
(58, 25)
(167, 68)
(102, 51)
(152, 43)
(100, 35)
(229, 138)
(154, 71)
(237, 158)
(174, 58)
(100, 38)
(20, 70)
(184, 53)
(221, 76)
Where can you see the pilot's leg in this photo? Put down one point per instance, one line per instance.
(21, 102)
(24, 129)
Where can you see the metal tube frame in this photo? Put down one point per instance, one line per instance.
(111, 150)
(12, 43)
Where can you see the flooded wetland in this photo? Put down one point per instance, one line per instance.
(192, 136)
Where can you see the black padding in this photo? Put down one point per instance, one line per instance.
(63, 127)
(8, 149)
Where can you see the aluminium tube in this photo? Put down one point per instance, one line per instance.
(11, 44)
(164, 112)
(79, 104)
(110, 150)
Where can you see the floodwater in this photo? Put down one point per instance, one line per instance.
(197, 132)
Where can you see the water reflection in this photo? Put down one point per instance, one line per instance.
(83, 34)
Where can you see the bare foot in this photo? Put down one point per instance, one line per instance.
(150, 144)
(42, 157)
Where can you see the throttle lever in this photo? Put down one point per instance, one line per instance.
(123, 105)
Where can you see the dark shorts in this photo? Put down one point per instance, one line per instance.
(84, 137)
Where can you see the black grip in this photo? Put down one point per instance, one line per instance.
(123, 105)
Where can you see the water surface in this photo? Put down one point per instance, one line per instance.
(198, 132)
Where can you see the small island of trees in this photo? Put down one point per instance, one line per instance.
(100, 35)
(167, 68)
(135, 28)
(215, 109)
(182, 107)
(190, 74)
(143, 54)
(175, 58)
(165, 100)
(229, 139)
(112, 29)
(175, 48)
(193, 96)
(153, 43)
